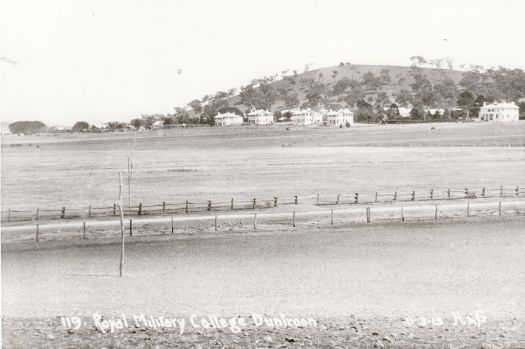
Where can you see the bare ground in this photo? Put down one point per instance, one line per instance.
(355, 280)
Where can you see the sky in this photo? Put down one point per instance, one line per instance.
(63, 61)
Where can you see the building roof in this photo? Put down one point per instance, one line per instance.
(227, 115)
(507, 105)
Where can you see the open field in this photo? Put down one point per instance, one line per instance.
(357, 280)
(219, 163)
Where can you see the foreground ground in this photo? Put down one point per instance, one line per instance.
(360, 282)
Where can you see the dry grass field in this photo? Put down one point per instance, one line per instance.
(220, 163)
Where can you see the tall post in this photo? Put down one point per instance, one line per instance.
(89, 211)
(317, 199)
(337, 200)
(209, 205)
(9, 215)
(164, 207)
(293, 219)
(517, 191)
(83, 230)
(121, 224)
(436, 212)
(332, 216)
(37, 232)
(499, 208)
(254, 203)
(501, 191)
(468, 209)
(130, 227)
(483, 192)
(376, 197)
(255, 221)
(172, 227)
(63, 215)
(395, 196)
(186, 206)
(215, 223)
(231, 206)
(448, 193)
(402, 214)
(37, 213)
(140, 208)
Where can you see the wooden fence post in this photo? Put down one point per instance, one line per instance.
(483, 192)
(254, 203)
(368, 214)
(186, 206)
(517, 191)
(296, 199)
(131, 227)
(436, 212)
(89, 211)
(468, 209)
(215, 223)
(395, 196)
(499, 208)
(209, 205)
(140, 208)
(37, 213)
(275, 201)
(337, 200)
(63, 215)
(332, 216)
(413, 195)
(356, 198)
(376, 197)
(293, 218)
(231, 205)
(172, 227)
(83, 230)
(501, 191)
(163, 207)
(402, 214)
(37, 232)
(255, 221)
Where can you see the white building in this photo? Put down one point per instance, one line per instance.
(306, 117)
(228, 119)
(260, 117)
(340, 117)
(499, 112)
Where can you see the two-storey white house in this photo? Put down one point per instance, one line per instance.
(260, 117)
(340, 117)
(306, 117)
(504, 111)
(228, 119)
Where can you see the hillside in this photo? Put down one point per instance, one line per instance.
(399, 78)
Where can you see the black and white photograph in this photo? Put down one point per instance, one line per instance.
(262, 174)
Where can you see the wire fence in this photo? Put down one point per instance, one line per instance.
(188, 207)
(231, 221)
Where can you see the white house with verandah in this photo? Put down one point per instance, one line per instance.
(228, 119)
(504, 111)
(340, 117)
(306, 117)
(260, 117)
